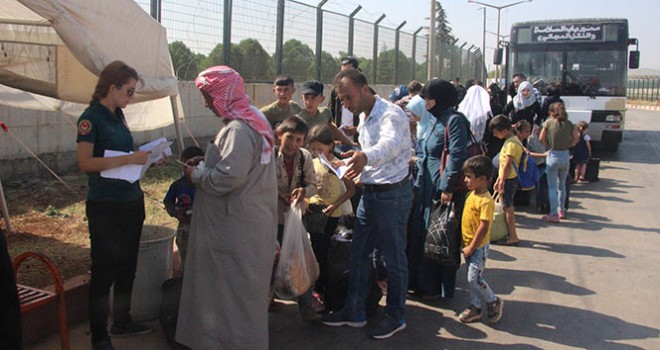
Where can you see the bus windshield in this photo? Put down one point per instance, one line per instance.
(577, 72)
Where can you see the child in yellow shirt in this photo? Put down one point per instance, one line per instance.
(475, 225)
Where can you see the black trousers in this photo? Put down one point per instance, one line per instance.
(114, 231)
(10, 312)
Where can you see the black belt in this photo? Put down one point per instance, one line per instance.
(385, 187)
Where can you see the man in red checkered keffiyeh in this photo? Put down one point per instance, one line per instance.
(225, 95)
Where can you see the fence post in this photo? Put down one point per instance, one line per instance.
(397, 34)
(319, 37)
(156, 9)
(279, 36)
(413, 70)
(351, 29)
(226, 32)
(374, 66)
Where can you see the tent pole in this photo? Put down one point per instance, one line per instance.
(5, 211)
(176, 110)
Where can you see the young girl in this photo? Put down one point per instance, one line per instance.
(325, 207)
(582, 152)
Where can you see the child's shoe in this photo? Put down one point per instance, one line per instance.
(317, 304)
(562, 214)
(495, 310)
(471, 314)
(554, 218)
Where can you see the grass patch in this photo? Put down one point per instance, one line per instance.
(48, 218)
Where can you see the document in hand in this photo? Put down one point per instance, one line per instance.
(339, 171)
(133, 172)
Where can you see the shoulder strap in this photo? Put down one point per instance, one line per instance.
(301, 165)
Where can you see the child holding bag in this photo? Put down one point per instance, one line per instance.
(331, 200)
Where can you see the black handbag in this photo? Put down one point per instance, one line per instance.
(441, 237)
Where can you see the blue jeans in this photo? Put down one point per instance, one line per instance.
(380, 217)
(557, 166)
(479, 288)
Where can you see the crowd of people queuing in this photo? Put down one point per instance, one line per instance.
(403, 157)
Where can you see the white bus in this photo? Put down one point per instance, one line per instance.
(588, 60)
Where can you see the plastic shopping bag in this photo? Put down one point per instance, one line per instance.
(297, 269)
(498, 230)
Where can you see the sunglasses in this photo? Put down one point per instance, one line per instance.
(130, 92)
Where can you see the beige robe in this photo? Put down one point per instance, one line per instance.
(224, 301)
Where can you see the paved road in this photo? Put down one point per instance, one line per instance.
(590, 282)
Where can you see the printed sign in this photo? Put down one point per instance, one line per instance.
(574, 32)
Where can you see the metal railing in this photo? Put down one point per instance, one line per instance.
(304, 41)
(644, 88)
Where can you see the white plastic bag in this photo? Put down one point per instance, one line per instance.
(297, 269)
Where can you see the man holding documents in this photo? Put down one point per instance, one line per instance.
(114, 207)
(382, 214)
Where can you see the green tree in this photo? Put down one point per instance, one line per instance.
(329, 67)
(298, 60)
(184, 61)
(217, 56)
(256, 63)
(386, 67)
(442, 28)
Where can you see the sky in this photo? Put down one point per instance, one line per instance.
(466, 20)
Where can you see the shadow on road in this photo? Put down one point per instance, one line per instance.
(505, 281)
(570, 326)
(572, 249)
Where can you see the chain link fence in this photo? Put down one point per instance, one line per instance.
(267, 37)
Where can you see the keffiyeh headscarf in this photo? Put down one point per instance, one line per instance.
(520, 102)
(226, 87)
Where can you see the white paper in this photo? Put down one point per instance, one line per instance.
(128, 172)
(134, 172)
(340, 171)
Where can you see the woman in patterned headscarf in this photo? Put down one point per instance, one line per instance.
(524, 106)
(224, 300)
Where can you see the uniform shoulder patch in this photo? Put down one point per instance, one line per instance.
(84, 127)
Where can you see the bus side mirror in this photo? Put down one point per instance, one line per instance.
(633, 60)
(497, 56)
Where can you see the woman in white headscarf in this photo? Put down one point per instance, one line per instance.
(476, 107)
(524, 106)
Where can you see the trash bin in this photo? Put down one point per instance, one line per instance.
(154, 266)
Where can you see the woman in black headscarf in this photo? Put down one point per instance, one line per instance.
(429, 278)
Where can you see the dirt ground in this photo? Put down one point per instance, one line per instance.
(47, 217)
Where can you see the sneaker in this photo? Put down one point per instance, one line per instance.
(338, 318)
(387, 327)
(132, 328)
(103, 345)
(471, 314)
(495, 310)
(307, 313)
(551, 218)
(562, 214)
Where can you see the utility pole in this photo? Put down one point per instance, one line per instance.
(432, 43)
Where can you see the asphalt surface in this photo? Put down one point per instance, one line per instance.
(590, 282)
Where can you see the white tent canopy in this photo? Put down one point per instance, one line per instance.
(52, 51)
(57, 48)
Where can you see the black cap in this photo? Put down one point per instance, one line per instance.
(349, 60)
(314, 87)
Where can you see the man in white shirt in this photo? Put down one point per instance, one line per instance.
(382, 214)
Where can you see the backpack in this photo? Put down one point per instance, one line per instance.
(528, 172)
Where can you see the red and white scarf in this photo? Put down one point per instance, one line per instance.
(226, 87)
